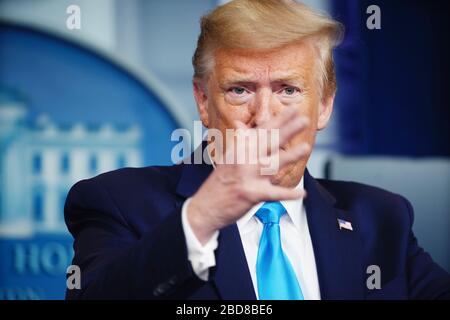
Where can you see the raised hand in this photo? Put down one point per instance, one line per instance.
(233, 189)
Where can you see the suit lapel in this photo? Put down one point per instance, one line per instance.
(192, 177)
(338, 253)
(230, 275)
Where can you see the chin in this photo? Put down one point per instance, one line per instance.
(289, 176)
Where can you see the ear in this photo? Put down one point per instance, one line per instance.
(201, 99)
(325, 110)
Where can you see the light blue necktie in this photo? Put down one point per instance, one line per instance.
(274, 273)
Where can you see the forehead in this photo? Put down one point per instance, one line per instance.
(292, 61)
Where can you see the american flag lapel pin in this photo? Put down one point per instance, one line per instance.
(345, 225)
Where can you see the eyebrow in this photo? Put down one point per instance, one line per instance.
(238, 78)
(289, 77)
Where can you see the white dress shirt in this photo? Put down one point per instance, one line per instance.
(295, 241)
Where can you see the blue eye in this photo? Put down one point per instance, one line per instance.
(238, 90)
(290, 91)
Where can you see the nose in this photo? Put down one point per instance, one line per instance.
(263, 110)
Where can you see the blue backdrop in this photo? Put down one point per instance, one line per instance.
(393, 83)
(72, 112)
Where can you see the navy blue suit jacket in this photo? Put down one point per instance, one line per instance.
(129, 242)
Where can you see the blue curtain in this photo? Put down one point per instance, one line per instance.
(393, 83)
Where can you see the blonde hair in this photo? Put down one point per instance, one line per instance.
(267, 25)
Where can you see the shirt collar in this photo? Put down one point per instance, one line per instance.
(293, 209)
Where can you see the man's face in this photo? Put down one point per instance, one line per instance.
(254, 86)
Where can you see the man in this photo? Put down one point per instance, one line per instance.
(226, 231)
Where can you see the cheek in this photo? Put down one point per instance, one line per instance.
(308, 109)
(307, 135)
(225, 114)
